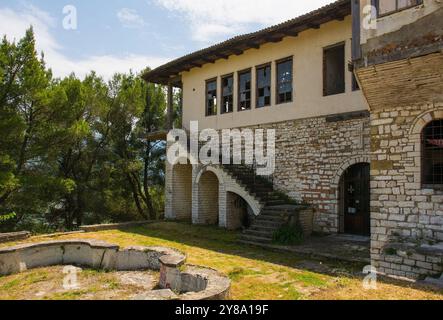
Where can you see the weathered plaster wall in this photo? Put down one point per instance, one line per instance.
(394, 22)
(307, 51)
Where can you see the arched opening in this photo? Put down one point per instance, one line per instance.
(208, 198)
(355, 200)
(432, 154)
(239, 213)
(182, 191)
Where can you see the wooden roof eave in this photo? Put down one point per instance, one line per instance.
(240, 44)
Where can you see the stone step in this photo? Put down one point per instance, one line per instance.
(265, 227)
(263, 234)
(245, 237)
(275, 202)
(272, 218)
(269, 212)
(267, 224)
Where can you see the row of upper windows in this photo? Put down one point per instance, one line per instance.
(333, 83)
(263, 88)
(387, 7)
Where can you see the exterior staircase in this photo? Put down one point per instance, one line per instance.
(278, 208)
(264, 226)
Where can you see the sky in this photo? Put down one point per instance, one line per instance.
(110, 36)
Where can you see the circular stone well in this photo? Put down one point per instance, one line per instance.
(176, 281)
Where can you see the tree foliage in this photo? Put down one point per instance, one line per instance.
(74, 151)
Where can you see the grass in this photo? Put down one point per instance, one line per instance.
(255, 273)
(47, 284)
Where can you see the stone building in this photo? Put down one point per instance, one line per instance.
(353, 91)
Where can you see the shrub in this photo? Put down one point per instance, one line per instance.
(289, 235)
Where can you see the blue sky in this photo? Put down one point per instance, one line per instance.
(119, 35)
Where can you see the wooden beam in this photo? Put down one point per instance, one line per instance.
(253, 44)
(313, 25)
(237, 52)
(276, 38)
(208, 60)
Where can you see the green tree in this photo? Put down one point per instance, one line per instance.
(24, 115)
(139, 109)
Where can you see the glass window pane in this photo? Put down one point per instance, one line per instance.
(227, 92)
(284, 81)
(432, 144)
(211, 98)
(386, 6)
(407, 3)
(264, 87)
(244, 91)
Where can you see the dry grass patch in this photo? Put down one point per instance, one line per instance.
(258, 273)
(48, 284)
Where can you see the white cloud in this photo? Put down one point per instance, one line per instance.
(212, 20)
(14, 24)
(129, 18)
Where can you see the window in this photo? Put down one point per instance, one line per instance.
(284, 81)
(334, 70)
(211, 97)
(386, 7)
(227, 94)
(244, 90)
(432, 154)
(264, 86)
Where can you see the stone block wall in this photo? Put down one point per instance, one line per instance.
(236, 209)
(311, 156)
(208, 199)
(182, 191)
(405, 215)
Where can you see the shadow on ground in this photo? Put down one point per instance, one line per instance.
(226, 242)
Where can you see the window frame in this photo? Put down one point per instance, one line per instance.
(257, 68)
(381, 15)
(222, 78)
(239, 73)
(424, 159)
(277, 62)
(207, 82)
(334, 46)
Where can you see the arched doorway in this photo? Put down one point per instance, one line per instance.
(239, 214)
(182, 191)
(355, 200)
(208, 199)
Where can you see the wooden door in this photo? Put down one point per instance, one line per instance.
(356, 202)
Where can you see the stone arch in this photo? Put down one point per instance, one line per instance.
(250, 200)
(209, 168)
(335, 183)
(345, 165)
(415, 137)
(226, 185)
(424, 118)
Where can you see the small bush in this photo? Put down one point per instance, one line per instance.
(289, 235)
(390, 251)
